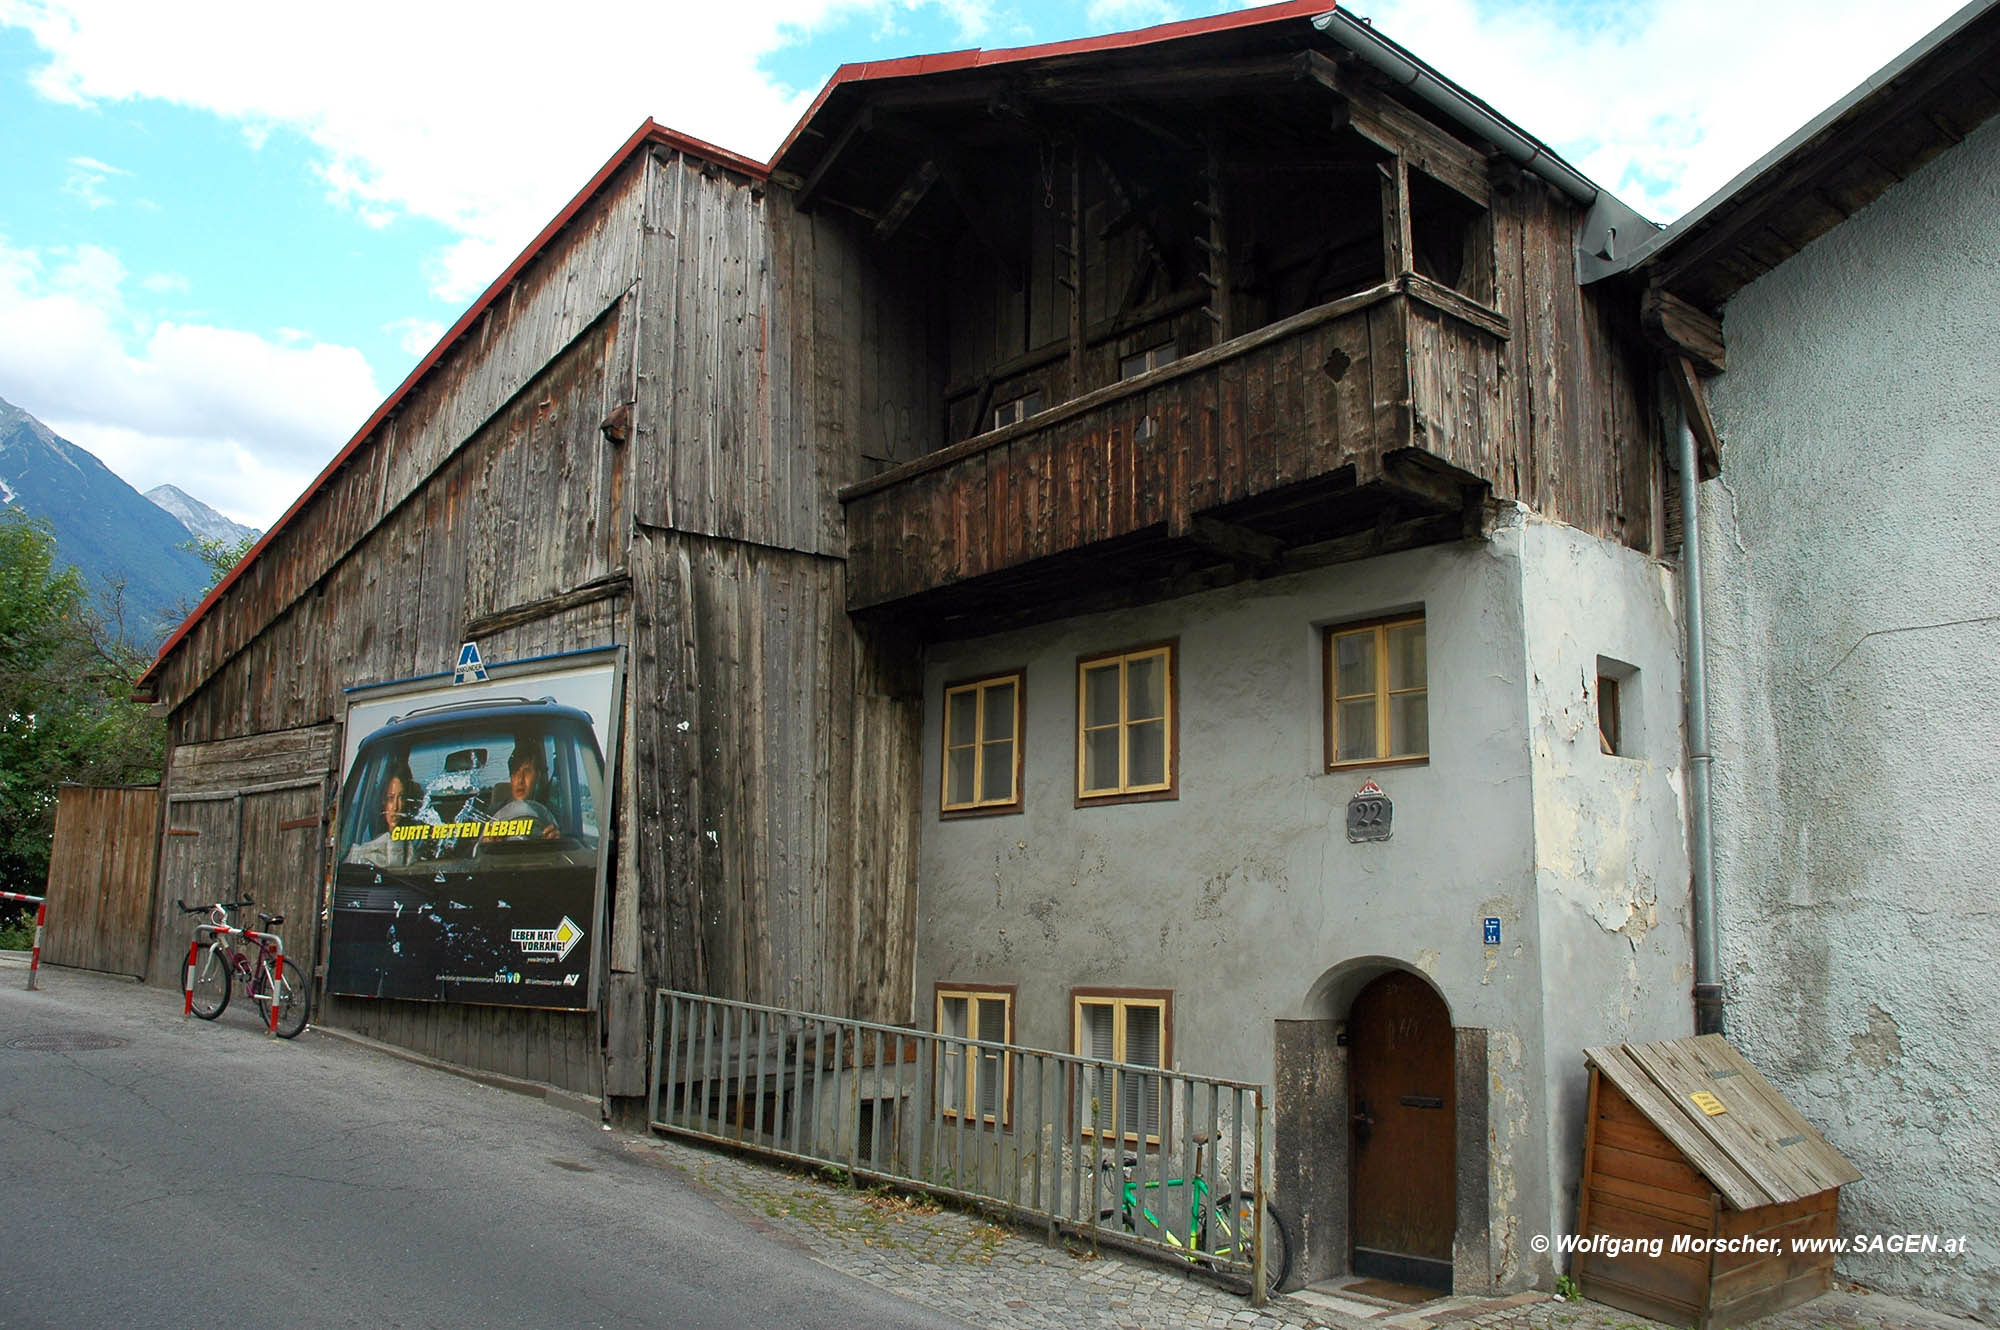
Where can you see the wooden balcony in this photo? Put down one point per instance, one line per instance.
(1373, 423)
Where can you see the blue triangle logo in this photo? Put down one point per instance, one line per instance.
(471, 669)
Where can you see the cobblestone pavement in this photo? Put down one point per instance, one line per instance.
(993, 1275)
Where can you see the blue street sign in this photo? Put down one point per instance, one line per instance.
(1492, 932)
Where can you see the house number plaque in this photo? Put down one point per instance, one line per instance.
(1368, 814)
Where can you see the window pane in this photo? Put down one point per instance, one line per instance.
(1409, 725)
(1142, 1035)
(996, 772)
(1406, 656)
(1096, 1022)
(999, 712)
(960, 718)
(951, 1060)
(1354, 663)
(1100, 759)
(1146, 688)
(1100, 694)
(987, 1091)
(958, 776)
(993, 1020)
(1147, 764)
(1357, 731)
(951, 1015)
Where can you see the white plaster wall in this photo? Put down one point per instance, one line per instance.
(1242, 893)
(1855, 625)
(1611, 857)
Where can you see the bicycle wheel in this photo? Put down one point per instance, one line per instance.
(1232, 1228)
(293, 998)
(212, 977)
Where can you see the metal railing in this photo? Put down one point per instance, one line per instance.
(1139, 1157)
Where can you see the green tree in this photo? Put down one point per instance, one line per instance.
(219, 555)
(66, 713)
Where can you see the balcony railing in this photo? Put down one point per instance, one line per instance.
(1376, 419)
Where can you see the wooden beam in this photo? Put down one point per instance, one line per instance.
(1216, 245)
(1397, 245)
(1694, 401)
(1238, 544)
(1678, 327)
(914, 191)
(859, 125)
(1075, 257)
(604, 588)
(1397, 129)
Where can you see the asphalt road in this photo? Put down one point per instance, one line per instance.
(199, 1174)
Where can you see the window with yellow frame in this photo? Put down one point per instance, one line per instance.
(1125, 1026)
(1125, 724)
(975, 1082)
(982, 746)
(1377, 693)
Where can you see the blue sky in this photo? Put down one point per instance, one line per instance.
(230, 228)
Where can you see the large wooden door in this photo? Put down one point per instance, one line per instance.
(1403, 1116)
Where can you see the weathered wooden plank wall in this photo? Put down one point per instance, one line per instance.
(100, 888)
(578, 283)
(244, 817)
(781, 834)
(528, 508)
(1575, 394)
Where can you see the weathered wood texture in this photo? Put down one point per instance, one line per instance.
(776, 841)
(570, 293)
(1541, 397)
(530, 507)
(1640, 1186)
(245, 817)
(1302, 398)
(100, 889)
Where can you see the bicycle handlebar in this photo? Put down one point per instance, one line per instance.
(185, 908)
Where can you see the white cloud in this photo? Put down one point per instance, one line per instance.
(481, 115)
(415, 336)
(85, 180)
(1662, 104)
(166, 283)
(253, 419)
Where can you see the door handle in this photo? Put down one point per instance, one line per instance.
(1364, 1124)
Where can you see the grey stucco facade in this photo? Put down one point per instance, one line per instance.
(1244, 897)
(1854, 619)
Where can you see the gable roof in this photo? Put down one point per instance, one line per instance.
(1256, 24)
(646, 135)
(1756, 1152)
(1913, 108)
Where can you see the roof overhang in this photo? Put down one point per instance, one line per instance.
(1913, 108)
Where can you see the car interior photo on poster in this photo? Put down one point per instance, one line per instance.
(467, 862)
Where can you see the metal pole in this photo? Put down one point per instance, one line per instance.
(1707, 986)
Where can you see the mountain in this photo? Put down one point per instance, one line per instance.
(104, 528)
(198, 517)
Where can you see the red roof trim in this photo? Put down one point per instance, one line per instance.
(974, 58)
(648, 133)
(652, 132)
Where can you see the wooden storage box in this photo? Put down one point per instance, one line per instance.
(1698, 1177)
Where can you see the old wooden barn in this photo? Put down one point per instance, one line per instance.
(1059, 356)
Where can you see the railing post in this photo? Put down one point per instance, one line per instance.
(1258, 1296)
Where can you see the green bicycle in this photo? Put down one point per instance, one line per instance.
(1220, 1230)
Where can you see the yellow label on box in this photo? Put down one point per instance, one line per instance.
(1708, 1103)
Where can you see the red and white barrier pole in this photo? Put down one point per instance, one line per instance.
(41, 904)
(187, 975)
(35, 959)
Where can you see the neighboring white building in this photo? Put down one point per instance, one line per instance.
(1854, 621)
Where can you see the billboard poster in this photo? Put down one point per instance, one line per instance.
(472, 824)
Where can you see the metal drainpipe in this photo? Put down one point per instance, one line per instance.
(1707, 989)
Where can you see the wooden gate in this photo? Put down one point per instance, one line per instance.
(246, 817)
(101, 878)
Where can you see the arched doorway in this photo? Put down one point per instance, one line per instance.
(1403, 1124)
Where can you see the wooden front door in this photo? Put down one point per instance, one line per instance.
(1403, 1116)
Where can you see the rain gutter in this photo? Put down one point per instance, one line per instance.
(1610, 228)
